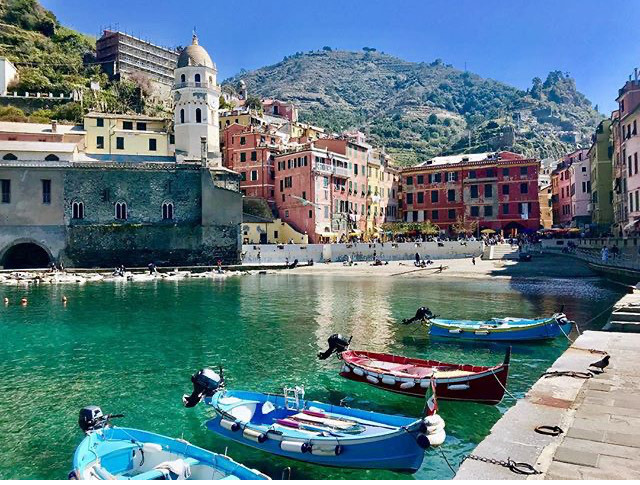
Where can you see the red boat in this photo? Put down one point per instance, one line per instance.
(404, 375)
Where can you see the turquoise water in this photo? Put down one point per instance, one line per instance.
(131, 348)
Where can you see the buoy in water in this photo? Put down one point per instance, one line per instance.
(64, 299)
(6, 300)
(23, 301)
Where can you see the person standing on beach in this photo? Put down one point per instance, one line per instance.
(473, 260)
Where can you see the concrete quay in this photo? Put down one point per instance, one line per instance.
(626, 314)
(600, 417)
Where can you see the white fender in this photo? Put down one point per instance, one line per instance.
(252, 435)
(292, 446)
(389, 381)
(227, 424)
(433, 420)
(437, 438)
(458, 387)
(325, 450)
(425, 383)
(481, 332)
(407, 385)
(346, 369)
(357, 371)
(455, 330)
(372, 379)
(151, 447)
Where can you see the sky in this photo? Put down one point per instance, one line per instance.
(511, 41)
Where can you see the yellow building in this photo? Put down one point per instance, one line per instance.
(132, 137)
(546, 211)
(382, 181)
(259, 230)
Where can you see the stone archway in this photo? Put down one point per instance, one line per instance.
(25, 254)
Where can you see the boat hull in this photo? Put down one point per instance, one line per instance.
(478, 384)
(395, 449)
(544, 329)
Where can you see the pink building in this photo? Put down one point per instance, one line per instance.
(311, 192)
(580, 179)
(275, 107)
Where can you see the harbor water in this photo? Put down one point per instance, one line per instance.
(131, 348)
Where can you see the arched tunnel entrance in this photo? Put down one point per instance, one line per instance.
(25, 256)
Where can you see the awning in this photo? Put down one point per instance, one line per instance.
(328, 234)
(488, 231)
(355, 232)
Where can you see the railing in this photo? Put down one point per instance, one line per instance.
(191, 84)
(331, 169)
(621, 260)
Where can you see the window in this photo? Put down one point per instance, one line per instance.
(121, 211)
(434, 196)
(437, 177)
(52, 158)
(505, 208)
(100, 142)
(243, 140)
(198, 115)
(243, 177)
(420, 179)
(524, 188)
(472, 174)
(100, 122)
(488, 190)
(127, 125)
(451, 195)
(409, 180)
(452, 214)
(9, 156)
(46, 191)
(304, 195)
(167, 211)
(355, 169)
(505, 189)
(524, 170)
(310, 214)
(77, 209)
(488, 211)
(153, 144)
(475, 211)
(409, 198)
(491, 172)
(420, 197)
(196, 78)
(254, 175)
(120, 143)
(254, 156)
(584, 169)
(434, 215)
(183, 78)
(181, 116)
(474, 191)
(172, 139)
(505, 172)
(243, 156)
(5, 188)
(635, 161)
(452, 176)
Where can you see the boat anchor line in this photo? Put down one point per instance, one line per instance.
(517, 467)
(549, 430)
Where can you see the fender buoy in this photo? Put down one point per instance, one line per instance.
(389, 381)
(230, 425)
(437, 438)
(346, 369)
(372, 379)
(254, 435)
(357, 371)
(295, 446)
(407, 385)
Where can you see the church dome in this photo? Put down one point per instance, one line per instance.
(195, 55)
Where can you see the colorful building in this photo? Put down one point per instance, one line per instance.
(580, 189)
(627, 169)
(546, 211)
(497, 190)
(600, 158)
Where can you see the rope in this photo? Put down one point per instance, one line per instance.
(505, 389)
(565, 333)
(447, 462)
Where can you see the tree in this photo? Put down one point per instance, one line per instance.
(224, 104)
(327, 48)
(254, 102)
(11, 113)
(464, 227)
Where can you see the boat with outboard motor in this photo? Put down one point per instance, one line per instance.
(495, 329)
(315, 432)
(410, 376)
(113, 453)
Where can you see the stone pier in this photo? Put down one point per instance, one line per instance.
(599, 416)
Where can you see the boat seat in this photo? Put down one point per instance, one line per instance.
(157, 474)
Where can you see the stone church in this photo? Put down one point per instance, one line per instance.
(123, 191)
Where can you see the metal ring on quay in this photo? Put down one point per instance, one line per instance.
(549, 430)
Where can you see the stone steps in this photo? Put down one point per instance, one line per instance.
(625, 316)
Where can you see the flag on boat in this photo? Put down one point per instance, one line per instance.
(432, 401)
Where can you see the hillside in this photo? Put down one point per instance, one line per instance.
(419, 110)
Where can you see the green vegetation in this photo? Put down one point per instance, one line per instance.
(427, 228)
(53, 58)
(420, 110)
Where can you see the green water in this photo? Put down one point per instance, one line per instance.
(131, 348)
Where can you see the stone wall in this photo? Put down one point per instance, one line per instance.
(272, 253)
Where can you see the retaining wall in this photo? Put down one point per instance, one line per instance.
(278, 253)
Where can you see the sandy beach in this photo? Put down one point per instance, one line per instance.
(551, 266)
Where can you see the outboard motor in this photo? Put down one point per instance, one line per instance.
(91, 418)
(337, 344)
(423, 313)
(205, 383)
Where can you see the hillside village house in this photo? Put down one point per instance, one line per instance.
(497, 190)
(600, 159)
(118, 190)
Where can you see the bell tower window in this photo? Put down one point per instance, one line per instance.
(197, 78)
(198, 115)
(183, 78)
(181, 116)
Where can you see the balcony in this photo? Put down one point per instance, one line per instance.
(331, 170)
(191, 84)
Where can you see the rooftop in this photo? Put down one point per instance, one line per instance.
(37, 128)
(128, 116)
(470, 157)
(37, 146)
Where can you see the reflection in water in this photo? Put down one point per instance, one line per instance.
(131, 347)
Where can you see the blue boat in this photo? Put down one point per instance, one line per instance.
(315, 432)
(114, 453)
(501, 329)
